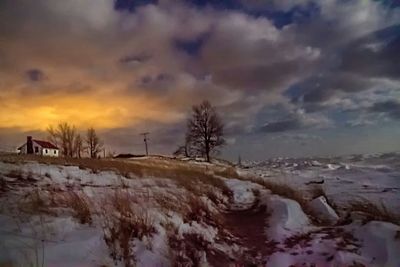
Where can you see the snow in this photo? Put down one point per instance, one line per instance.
(321, 208)
(287, 218)
(66, 242)
(380, 243)
(243, 193)
(375, 177)
(61, 238)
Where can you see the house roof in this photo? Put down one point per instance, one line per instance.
(45, 144)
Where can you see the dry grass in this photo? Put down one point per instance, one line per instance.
(80, 204)
(227, 172)
(123, 222)
(303, 198)
(16, 174)
(34, 203)
(185, 250)
(373, 211)
(199, 211)
(317, 191)
(185, 174)
(283, 190)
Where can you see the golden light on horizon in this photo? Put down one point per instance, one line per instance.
(102, 111)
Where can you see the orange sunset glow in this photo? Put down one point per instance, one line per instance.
(111, 111)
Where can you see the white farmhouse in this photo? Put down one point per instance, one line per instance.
(38, 147)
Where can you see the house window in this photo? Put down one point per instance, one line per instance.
(45, 151)
(55, 152)
(36, 149)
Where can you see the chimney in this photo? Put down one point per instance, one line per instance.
(29, 145)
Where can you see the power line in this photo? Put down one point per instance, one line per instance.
(145, 141)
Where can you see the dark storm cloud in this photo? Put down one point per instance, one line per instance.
(390, 108)
(316, 90)
(131, 5)
(359, 41)
(359, 65)
(252, 54)
(259, 77)
(35, 75)
(281, 126)
(375, 55)
(282, 118)
(160, 82)
(134, 59)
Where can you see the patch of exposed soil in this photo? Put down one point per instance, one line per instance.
(248, 230)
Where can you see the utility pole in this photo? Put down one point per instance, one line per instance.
(145, 141)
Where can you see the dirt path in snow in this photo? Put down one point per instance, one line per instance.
(248, 228)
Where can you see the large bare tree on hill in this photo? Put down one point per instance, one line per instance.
(205, 130)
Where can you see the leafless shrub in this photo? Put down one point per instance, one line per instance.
(317, 191)
(21, 175)
(373, 211)
(162, 183)
(200, 212)
(16, 174)
(185, 250)
(213, 196)
(124, 223)
(34, 203)
(167, 203)
(228, 172)
(80, 204)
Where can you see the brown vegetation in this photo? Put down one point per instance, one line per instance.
(186, 175)
(123, 222)
(373, 211)
(80, 204)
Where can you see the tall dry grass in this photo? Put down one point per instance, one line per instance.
(81, 206)
(186, 175)
(123, 222)
(373, 211)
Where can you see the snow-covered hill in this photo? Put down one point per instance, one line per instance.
(166, 212)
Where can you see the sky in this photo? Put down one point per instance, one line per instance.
(288, 77)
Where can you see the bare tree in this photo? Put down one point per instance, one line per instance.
(52, 135)
(63, 135)
(205, 130)
(94, 144)
(184, 150)
(78, 146)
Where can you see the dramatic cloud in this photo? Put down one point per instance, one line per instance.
(390, 108)
(129, 66)
(296, 121)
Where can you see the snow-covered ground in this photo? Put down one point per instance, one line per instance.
(372, 177)
(65, 215)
